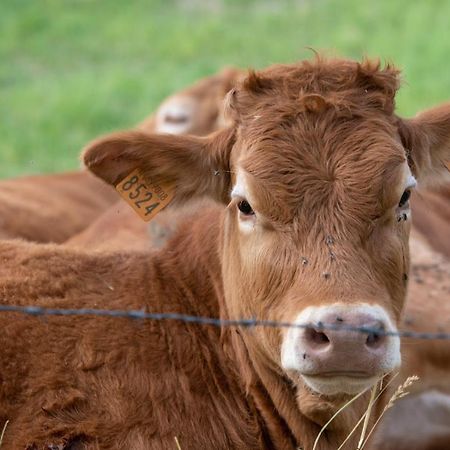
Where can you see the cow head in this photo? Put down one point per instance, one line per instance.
(315, 175)
(196, 110)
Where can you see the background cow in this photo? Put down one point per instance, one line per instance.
(422, 420)
(199, 110)
(52, 208)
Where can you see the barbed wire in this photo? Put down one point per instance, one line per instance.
(203, 320)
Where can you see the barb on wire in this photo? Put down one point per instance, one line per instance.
(202, 320)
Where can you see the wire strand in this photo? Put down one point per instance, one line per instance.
(202, 320)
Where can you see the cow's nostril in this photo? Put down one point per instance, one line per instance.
(317, 338)
(374, 340)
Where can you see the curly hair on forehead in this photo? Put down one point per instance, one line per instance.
(359, 86)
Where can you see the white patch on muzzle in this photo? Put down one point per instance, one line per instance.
(175, 116)
(313, 370)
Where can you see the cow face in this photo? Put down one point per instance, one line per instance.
(316, 173)
(316, 231)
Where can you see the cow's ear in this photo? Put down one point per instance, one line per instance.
(426, 138)
(196, 166)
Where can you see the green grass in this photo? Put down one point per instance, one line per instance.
(73, 69)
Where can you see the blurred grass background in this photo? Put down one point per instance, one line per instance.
(73, 69)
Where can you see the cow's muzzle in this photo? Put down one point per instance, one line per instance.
(332, 356)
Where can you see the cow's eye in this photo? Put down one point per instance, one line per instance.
(405, 198)
(171, 118)
(245, 208)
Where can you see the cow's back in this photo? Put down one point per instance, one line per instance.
(51, 208)
(120, 228)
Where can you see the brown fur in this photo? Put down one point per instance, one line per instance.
(431, 216)
(120, 228)
(313, 174)
(52, 368)
(51, 208)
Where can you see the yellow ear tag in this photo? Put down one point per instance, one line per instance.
(145, 195)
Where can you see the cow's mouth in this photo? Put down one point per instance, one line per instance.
(334, 383)
(340, 373)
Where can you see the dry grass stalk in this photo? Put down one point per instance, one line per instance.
(349, 435)
(178, 444)
(399, 393)
(335, 415)
(367, 415)
(382, 389)
(3, 432)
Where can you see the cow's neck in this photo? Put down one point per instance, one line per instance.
(194, 252)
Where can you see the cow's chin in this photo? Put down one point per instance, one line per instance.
(339, 385)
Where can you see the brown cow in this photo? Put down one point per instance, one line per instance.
(315, 233)
(52, 208)
(255, 101)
